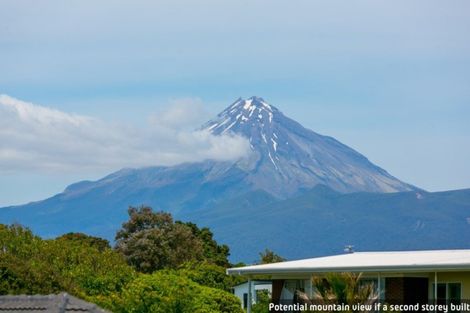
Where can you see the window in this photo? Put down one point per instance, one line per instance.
(245, 300)
(453, 293)
(441, 293)
(448, 293)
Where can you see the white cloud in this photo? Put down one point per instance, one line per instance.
(41, 139)
(182, 113)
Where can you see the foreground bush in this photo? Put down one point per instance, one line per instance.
(209, 275)
(165, 291)
(30, 265)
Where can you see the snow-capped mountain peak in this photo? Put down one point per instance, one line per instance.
(254, 111)
(251, 104)
(255, 119)
(289, 156)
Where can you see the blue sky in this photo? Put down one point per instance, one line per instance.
(388, 78)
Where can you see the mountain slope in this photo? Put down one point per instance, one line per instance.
(286, 157)
(322, 221)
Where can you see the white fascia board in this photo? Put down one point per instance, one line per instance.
(418, 268)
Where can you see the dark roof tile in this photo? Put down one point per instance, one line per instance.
(60, 303)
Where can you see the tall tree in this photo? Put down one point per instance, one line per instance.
(268, 256)
(213, 252)
(152, 240)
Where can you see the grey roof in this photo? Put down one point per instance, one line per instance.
(60, 303)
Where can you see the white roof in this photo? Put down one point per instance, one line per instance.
(433, 260)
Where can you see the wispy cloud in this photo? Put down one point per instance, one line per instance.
(180, 114)
(38, 138)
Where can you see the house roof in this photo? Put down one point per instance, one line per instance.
(51, 303)
(433, 260)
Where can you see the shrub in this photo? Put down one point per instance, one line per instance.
(165, 291)
(210, 275)
(30, 265)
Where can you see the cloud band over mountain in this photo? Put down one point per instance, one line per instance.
(38, 138)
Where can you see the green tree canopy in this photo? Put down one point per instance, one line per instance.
(152, 240)
(213, 252)
(30, 265)
(210, 275)
(99, 243)
(166, 292)
(17, 246)
(84, 266)
(268, 256)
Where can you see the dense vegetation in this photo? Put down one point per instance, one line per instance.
(158, 265)
(152, 240)
(168, 291)
(31, 265)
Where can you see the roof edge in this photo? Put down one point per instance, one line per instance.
(365, 269)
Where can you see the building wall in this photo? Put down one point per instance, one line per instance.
(242, 289)
(239, 290)
(451, 277)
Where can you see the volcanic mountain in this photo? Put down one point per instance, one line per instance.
(287, 158)
(297, 192)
